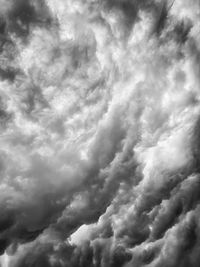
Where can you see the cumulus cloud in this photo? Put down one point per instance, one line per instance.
(99, 122)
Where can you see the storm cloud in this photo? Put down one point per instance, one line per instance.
(99, 133)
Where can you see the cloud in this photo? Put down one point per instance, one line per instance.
(99, 133)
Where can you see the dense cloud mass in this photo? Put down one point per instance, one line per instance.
(99, 133)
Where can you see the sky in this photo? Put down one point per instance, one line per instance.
(99, 133)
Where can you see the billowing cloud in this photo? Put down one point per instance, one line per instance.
(99, 142)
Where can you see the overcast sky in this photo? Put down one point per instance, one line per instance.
(99, 133)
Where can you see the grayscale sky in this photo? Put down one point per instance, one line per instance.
(99, 133)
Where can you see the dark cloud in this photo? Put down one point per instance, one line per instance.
(8, 74)
(196, 143)
(128, 8)
(182, 30)
(99, 133)
(25, 14)
(162, 16)
(3, 245)
(6, 222)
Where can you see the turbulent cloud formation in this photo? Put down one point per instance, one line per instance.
(100, 133)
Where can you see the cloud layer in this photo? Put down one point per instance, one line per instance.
(99, 133)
